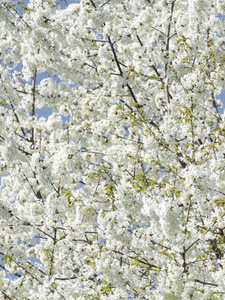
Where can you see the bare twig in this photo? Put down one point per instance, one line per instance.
(33, 103)
(204, 282)
(93, 4)
(168, 96)
(17, 119)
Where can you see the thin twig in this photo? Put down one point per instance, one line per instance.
(33, 103)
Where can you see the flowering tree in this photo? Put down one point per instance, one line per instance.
(127, 198)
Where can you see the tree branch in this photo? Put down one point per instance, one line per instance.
(33, 103)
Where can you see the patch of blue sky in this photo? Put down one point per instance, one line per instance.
(13, 277)
(139, 225)
(64, 3)
(35, 260)
(221, 97)
(18, 274)
(126, 128)
(98, 35)
(8, 275)
(220, 16)
(46, 112)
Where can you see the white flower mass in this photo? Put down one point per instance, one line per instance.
(112, 150)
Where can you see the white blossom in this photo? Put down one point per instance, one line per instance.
(117, 190)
